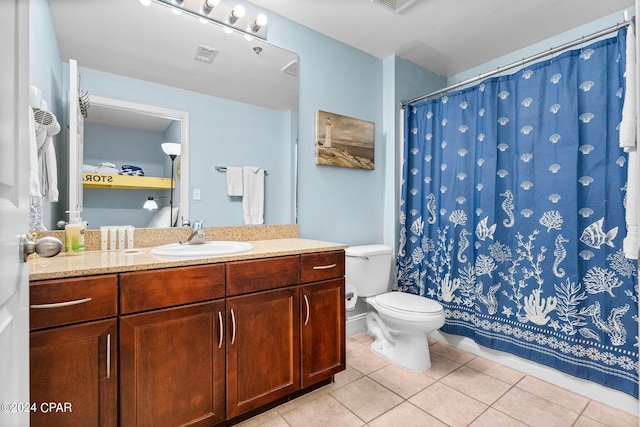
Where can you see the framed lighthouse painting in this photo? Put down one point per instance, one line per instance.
(344, 141)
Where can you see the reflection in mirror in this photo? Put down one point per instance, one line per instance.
(242, 106)
(131, 136)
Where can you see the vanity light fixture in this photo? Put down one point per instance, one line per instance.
(231, 19)
(172, 150)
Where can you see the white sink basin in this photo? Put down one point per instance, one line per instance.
(207, 249)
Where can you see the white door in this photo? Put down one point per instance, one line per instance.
(14, 200)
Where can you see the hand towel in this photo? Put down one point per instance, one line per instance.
(34, 170)
(50, 172)
(630, 107)
(631, 244)
(234, 181)
(253, 195)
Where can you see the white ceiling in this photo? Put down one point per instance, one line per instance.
(444, 36)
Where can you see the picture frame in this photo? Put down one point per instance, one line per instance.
(344, 141)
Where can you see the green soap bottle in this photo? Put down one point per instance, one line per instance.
(74, 234)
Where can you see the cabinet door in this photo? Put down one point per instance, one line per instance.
(172, 366)
(322, 330)
(263, 357)
(75, 368)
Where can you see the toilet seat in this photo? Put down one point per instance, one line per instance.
(393, 305)
(403, 302)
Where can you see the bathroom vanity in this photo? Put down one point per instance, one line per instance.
(143, 341)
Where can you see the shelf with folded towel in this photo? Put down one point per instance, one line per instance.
(100, 180)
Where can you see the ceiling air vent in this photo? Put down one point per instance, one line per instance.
(395, 6)
(291, 68)
(205, 54)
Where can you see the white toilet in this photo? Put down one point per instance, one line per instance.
(400, 322)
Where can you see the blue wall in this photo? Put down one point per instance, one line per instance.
(334, 203)
(543, 46)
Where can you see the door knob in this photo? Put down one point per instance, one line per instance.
(45, 247)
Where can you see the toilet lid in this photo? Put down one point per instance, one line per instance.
(408, 302)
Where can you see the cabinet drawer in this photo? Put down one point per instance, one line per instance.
(147, 290)
(259, 275)
(65, 301)
(322, 266)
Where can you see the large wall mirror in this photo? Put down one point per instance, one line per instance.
(239, 94)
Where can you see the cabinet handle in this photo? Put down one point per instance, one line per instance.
(221, 329)
(108, 356)
(324, 267)
(233, 327)
(306, 302)
(61, 304)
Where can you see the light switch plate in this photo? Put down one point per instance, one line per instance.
(196, 194)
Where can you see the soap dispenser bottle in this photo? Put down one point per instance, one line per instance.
(74, 234)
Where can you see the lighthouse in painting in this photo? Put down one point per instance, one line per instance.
(327, 132)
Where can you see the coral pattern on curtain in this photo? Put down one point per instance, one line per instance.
(512, 215)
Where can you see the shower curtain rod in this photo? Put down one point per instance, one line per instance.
(523, 61)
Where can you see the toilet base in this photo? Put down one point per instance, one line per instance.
(411, 351)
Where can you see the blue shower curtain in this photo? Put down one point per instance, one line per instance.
(512, 215)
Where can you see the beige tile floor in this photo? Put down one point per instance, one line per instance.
(460, 389)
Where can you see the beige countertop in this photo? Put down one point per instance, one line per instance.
(103, 262)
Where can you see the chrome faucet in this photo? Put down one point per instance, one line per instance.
(197, 234)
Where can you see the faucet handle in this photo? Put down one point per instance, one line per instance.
(197, 225)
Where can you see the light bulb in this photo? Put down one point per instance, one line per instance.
(239, 11)
(236, 13)
(261, 21)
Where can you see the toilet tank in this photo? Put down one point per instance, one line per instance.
(367, 268)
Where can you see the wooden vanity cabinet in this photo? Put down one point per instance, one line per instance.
(172, 359)
(73, 355)
(322, 320)
(193, 346)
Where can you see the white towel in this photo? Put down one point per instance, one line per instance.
(630, 108)
(253, 195)
(628, 141)
(34, 171)
(631, 244)
(49, 174)
(234, 181)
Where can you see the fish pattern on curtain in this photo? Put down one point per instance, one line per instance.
(512, 215)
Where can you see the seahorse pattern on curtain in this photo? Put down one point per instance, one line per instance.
(512, 215)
